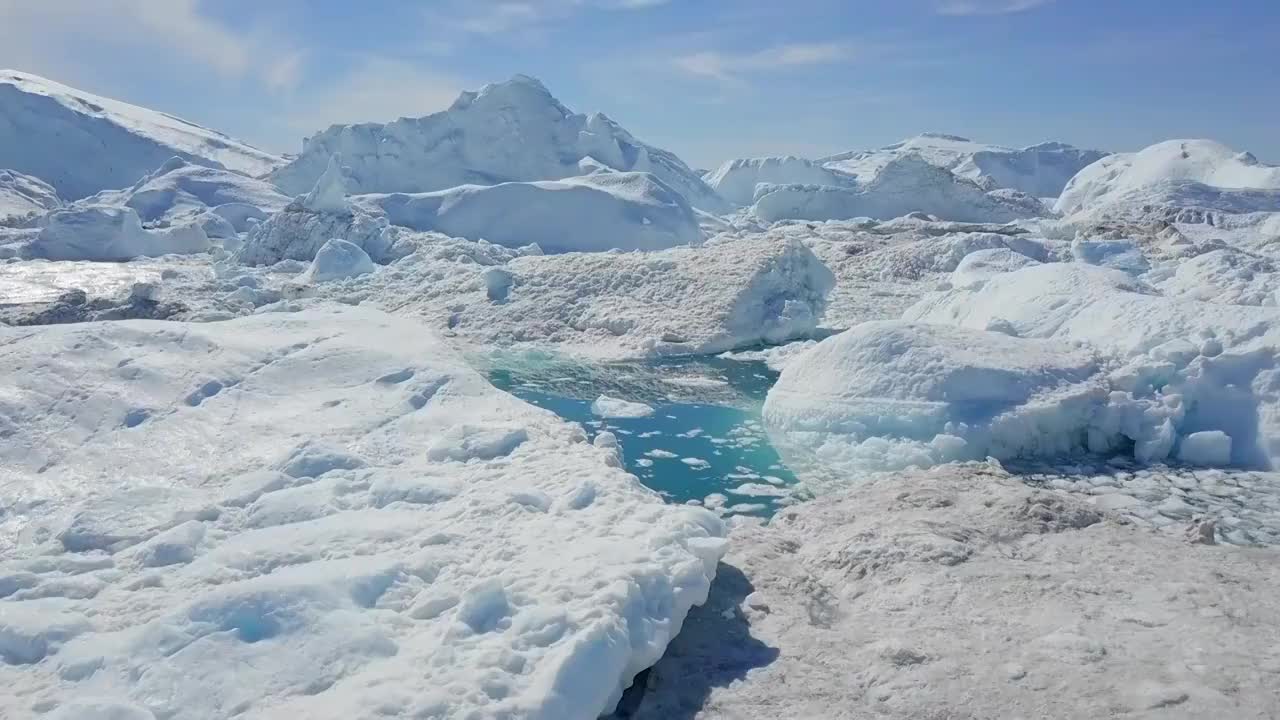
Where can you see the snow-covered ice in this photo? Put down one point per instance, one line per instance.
(107, 233)
(81, 143)
(338, 260)
(23, 198)
(472, 143)
(1039, 170)
(736, 180)
(602, 211)
(332, 498)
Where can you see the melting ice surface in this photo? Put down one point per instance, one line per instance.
(704, 441)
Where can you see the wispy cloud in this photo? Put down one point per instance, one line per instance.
(45, 32)
(988, 7)
(501, 17)
(729, 67)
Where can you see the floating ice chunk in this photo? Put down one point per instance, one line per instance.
(1209, 448)
(337, 260)
(696, 463)
(661, 454)
(605, 406)
(330, 192)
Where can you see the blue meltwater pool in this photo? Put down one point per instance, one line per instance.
(704, 441)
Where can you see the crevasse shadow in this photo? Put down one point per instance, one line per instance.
(714, 648)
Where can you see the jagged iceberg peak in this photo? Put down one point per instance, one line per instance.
(520, 90)
(330, 193)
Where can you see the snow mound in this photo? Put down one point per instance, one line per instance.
(180, 192)
(890, 394)
(106, 233)
(1039, 170)
(689, 300)
(338, 260)
(603, 211)
(513, 131)
(1170, 178)
(1225, 275)
(1184, 366)
(904, 185)
(736, 180)
(607, 407)
(981, 265)
(23, 198)
(81, 143)
(333, 498)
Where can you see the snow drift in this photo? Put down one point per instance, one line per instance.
(904, 185)
(513, 131)
(1040, 170)
(1168, 179)
(23, 198)
(736, 180)
(333, 499)
(81, 143)
(602, 211)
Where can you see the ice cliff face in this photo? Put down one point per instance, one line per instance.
(506, 132)
(80, 143)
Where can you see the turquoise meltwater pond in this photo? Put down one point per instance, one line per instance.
(703, 443)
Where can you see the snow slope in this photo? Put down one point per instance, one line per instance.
(513, 131)
(964, 593)
(1171, 176)
(81, 143)
(320, 514)
(106, 233)
(736, 180)
(903, 185)
(1039, 170)
(601, 211)
(23, 198)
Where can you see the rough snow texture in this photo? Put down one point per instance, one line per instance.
(298, 233)
(182, 192)
(1187, 365)
(736, 180)
(904, 185)
(963, 593)
(704, 299)
(601, 211)
(110, 233)
(981, 265)
(510, 131)
(889, 394)
(81, 143)
(321, 514)
(1175, 179)
(338, 260)
(24, 198)
(1040, 170)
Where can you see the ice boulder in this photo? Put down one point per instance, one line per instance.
(602, 211)
(23, 198)
(81, 143)
(608, 407)
(338, 260)
(298, 232)
(180, 191)
(333, 497)
(107, 233)
(906, 184)
(891, 394)
(514, 131)
(736, 180)
(1039, 170)
(1172, 180)
(1198, 366)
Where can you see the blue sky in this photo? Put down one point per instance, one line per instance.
(709, 79)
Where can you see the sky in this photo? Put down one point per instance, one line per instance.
(708, 79)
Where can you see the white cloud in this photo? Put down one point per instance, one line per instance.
(500, 17)
(727, 67)
(988, 7)
(375, 89)
(46, 33)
